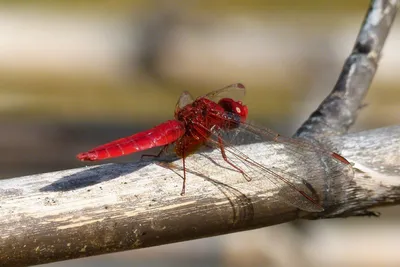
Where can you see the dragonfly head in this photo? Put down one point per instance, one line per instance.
(234, 107)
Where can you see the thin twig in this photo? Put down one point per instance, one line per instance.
(339, 110)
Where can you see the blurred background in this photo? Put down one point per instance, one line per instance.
(75, 74)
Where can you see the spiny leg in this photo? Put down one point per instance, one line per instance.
(184, 174)
(157, 155)
(221, 146)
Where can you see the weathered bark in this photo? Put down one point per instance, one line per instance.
(114, 207)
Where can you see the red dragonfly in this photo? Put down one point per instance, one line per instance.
(206, 121)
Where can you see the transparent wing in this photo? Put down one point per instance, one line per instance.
(292, 189)
(235, 91)
(299, 186)
(185, 99)
(294, 144)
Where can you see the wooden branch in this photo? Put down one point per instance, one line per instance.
(115, 207)
(339, 110)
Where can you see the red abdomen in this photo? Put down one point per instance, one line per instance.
(163, 134)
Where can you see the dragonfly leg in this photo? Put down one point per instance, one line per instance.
(157, 155)
(222, 149)
(184, 175)
(340, 158)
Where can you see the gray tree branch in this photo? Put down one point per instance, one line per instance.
(115, 207)
(339, 110)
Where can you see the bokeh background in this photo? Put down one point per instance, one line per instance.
(75, 74)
